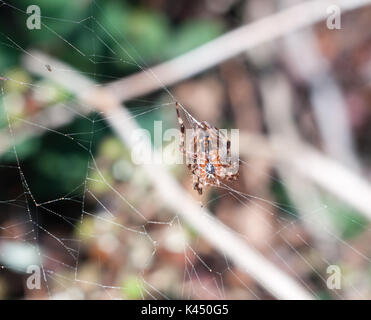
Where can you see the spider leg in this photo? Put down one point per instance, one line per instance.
(195, 151)
(207, 126)
(207, 147)
(203, 125)
(198, 186)
(232, 177)
(196, 178)
(195, 181)
(182, 128)
(228, 148)
(221, 171)
(228, 151)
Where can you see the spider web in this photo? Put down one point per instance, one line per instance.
(113, 239)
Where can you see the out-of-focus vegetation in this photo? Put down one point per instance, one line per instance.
(72, 230)
(138, 32)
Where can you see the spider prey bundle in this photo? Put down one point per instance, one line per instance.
(205, 157)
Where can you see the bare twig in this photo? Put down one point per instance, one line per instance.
(227, 46)
(328, 103)
(308, 162)
(277, 107)
(50, 117)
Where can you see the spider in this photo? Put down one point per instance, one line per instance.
(206, 165)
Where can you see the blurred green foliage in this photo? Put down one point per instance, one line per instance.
(132, 288)
(126, 34)
(347, 220)
(282, 199)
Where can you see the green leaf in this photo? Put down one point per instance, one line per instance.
(348, 221)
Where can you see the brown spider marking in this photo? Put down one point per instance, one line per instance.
(206, 167)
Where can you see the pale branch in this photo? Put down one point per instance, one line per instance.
(278, 104)
(228, 46)
(325, 95)
(309, 163)
(50, 117)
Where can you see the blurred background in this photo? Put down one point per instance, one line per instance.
(301, 103)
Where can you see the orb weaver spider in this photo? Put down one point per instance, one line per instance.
(204, 161)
